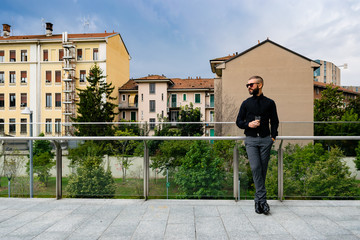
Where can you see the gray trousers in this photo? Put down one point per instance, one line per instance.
(258, 151)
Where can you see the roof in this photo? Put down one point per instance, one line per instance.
(58, 36)
(200, 83)
(324, 85)
(175, 83)
(232, 57)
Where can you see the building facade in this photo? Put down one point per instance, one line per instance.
(42, 72)
(327, 73)
(151, 98)
(288, 80)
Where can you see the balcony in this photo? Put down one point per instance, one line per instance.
(129, 106)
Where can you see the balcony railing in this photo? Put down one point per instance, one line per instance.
(144, 186)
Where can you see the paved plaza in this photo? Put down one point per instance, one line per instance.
(176, 219)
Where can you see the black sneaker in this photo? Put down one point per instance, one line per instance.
(265, 207)
(258, 208)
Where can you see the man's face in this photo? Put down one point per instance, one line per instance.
(253, 87)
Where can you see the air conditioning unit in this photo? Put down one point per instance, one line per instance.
(207, 94)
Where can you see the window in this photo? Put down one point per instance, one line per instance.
(211, 116)
(2, 77)
(2, 129)
(124, 115)
(197, 98)
(24, 55)
(2, 100)
(184, 97)
(152, 105)
(45, 55)
(58, 76)
(12, 98)
(95, 54)
(12, 77)
(173, 100)
(61, 54)
(48, 128)
(133, 116)
(48, 76)
(12, 56)
(211, 100)
(152, 123)
(79, 54)
(142, 97)
(57, 125)
(23, 125)
(23, 102)
(162, 97)
(2, 53)
(123, 97)
(12, 125)
(57, 99)
(82, 75)
(152, 88)
(23, 76)
(48, 100)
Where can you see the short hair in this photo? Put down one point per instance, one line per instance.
(260, 80)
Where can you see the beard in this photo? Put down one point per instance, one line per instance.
(254, 91)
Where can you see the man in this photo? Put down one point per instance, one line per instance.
(254, 116)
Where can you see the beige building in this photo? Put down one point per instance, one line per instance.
(148, 98)
(288, 80)
(327, 73)
(42, 72)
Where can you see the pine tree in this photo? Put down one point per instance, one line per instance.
(95, 105)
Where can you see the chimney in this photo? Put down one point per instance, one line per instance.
(49, 29)
(6, 30)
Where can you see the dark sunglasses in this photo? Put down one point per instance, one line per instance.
(250, 85)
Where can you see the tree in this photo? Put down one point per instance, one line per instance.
(201, 174)
(43, 159)
(330, 106)
(190, 114)
(95, 105)
(310, 171)
(90, 178)
(125, 149)
(357, 160)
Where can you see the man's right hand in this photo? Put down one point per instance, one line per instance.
(254, 124)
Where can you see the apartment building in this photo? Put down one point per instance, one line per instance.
(348, 93)
(327, 73)
(42, 72)
(288, 80)
(148, 98)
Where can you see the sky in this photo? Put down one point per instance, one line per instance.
(177, 38)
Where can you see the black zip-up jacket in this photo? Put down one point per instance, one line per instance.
(258, 106)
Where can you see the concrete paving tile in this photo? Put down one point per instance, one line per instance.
(343, 237)
(236, 224)
(181, 214)
(156, 213)
(179, 231)
(210, 228)
(52, 236)
(123, 231)
(277, 237)
(340, 213)
(131, 212)
(353, 225)
(229, 210)
(206, 211)
(326, 226)
(68, 224)
(265, 225)
(245, 236)
(150, 230)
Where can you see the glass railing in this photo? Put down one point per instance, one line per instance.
(133, 164)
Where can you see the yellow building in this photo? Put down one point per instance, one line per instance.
(42, 72)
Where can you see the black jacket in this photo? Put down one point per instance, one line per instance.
(258, 106)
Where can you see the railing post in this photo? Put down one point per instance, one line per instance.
(146, 171)
(58, 170)
(280, 172)
(236, 172)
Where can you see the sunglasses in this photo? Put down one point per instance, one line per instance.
(250, 84)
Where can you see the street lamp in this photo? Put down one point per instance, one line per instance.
(27, 111)
(9, 175)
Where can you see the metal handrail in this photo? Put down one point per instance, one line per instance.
(169, 138)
